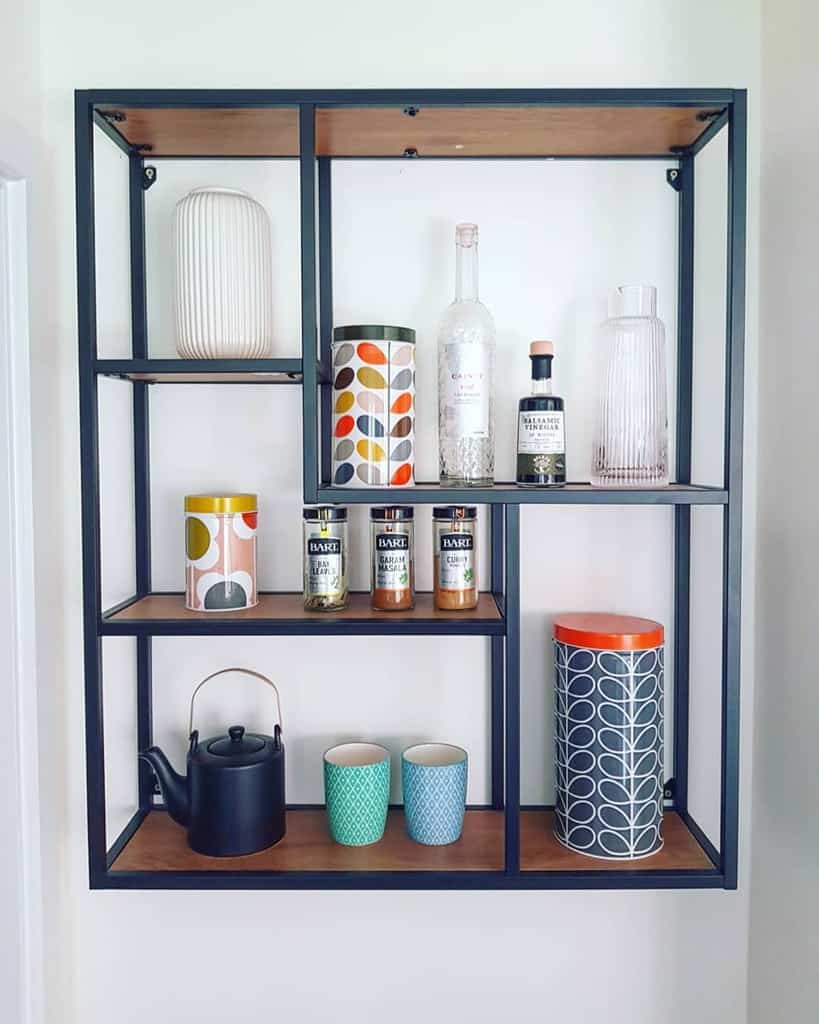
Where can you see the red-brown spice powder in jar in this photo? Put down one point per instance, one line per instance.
(392, 542)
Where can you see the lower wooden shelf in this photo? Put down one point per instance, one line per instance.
(540, 851)
(159, 845)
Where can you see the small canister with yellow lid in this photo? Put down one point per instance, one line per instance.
(220, 549)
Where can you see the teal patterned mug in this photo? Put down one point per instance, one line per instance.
(357, 792)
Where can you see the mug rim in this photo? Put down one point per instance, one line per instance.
(362, 745)
(461, 756)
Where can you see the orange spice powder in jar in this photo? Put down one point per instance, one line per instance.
(392, 577)
(455, 557)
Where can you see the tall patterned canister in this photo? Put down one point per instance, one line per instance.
(373, 406)
(220, 549)
(609, 735)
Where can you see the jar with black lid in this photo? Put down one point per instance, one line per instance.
(325, 558)
(392, 540)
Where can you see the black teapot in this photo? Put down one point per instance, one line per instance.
(232, 799)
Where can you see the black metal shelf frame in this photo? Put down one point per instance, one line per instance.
(311, 371)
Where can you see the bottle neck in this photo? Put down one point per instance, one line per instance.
(541, 375)
(466, 273)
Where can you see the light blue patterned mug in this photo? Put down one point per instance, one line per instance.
(357, 792)
(433, 776)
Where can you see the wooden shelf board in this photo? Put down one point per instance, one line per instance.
(289, 608)
(457, 131)
(540, 851)
(161, 845)
(504, 492)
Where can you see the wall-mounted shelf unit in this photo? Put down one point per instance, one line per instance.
(504, 845)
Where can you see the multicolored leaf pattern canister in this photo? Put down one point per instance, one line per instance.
(220, 550)
(373, 439)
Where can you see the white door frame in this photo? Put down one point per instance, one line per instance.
(18, 669)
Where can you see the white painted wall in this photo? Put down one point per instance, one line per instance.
(784, 982)
(645, 957)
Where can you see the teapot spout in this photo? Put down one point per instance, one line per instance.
(173, 785)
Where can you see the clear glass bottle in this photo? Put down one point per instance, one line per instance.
(466, 357)
(392, 574)
(631, 440)
(541, 458)
(325, 558)
(455, 557)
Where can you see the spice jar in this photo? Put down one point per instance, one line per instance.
(455, 557)
(393, 558)
(325, 558)
(220, 549)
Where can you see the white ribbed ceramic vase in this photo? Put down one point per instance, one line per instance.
(223, 276)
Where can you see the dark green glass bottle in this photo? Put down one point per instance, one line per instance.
(541, 427)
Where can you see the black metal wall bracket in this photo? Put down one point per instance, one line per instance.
(674, 178)
(148, 177)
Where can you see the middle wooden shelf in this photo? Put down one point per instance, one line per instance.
(283, 614)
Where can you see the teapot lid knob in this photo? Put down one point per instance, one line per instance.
(236, 733)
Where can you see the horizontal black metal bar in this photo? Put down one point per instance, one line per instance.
(410, 880)
(128, 368)
(708, 847)
(509, 494)
(126, 835)
(622, 157)
(161, 98)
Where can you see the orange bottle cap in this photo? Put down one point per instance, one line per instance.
(541, 348)
(602, 631)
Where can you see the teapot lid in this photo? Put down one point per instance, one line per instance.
(237, 744)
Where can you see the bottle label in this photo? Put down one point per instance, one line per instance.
(392, 561)
(541, 433)
(456, 563)
(323, 566)
(466, 390)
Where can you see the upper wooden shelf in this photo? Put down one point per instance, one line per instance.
(433, 131)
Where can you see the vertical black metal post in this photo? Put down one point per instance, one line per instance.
(497, 654)
(732, 523)
(309, 320)
(89, 478)
(142, 468)
(325, 257)
(682, 513)
(512, 571)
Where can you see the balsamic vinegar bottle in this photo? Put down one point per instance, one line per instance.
(541, 428)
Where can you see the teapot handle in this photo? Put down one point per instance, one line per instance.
(247, 672)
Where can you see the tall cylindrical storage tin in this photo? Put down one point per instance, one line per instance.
(224, 279)
(373, 406)
(609, 735)
(220, 550)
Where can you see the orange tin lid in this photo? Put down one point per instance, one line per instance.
(602, 631)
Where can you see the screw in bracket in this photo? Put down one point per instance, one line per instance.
(148, 177)
(672, 176)
(411, 153)
(114, 115)
(412, 111)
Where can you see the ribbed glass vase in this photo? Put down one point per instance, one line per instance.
(631, 440)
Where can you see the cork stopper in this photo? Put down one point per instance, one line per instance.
(541, 348)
